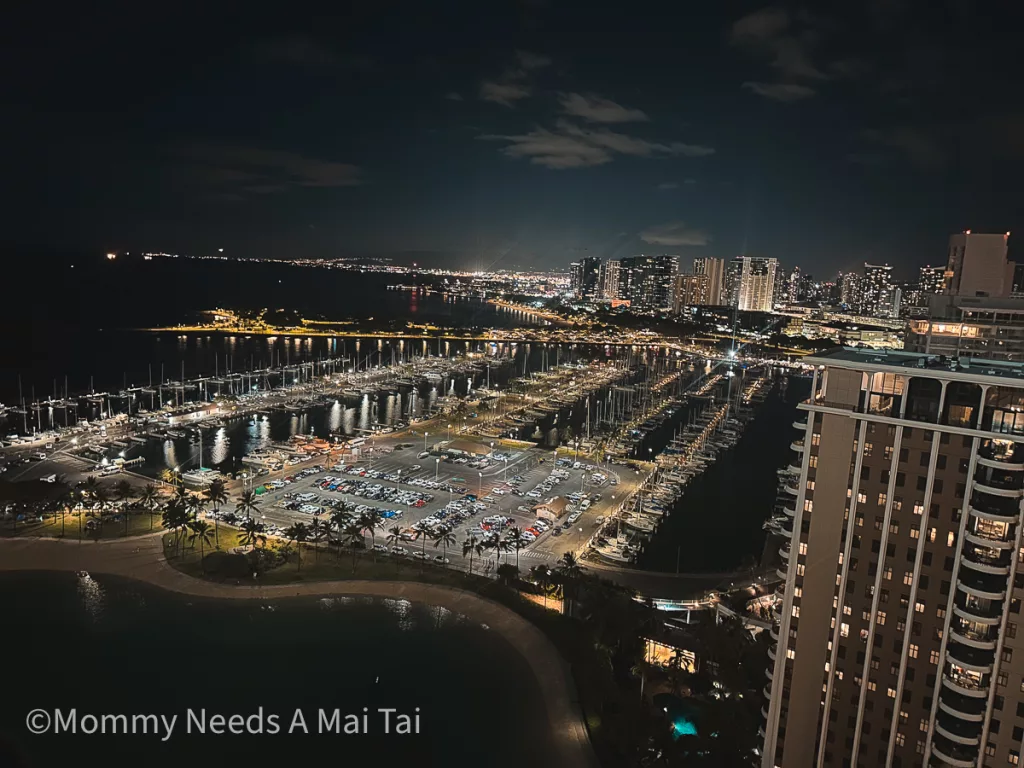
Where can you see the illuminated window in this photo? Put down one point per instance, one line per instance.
(918, 508)
(933, 657)
(919, 607)
(908, 577)
(844, 630)
(950, 539)
(913, 651)
(881, 618)
(881, 499)
(790, 653)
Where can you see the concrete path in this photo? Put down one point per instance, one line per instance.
(141, 558)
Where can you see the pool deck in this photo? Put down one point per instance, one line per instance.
(142, 558)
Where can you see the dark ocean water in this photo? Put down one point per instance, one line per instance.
(67, 319)
(109, 646)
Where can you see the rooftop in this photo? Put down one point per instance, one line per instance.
(967, 368)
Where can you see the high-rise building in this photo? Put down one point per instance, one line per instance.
(968, 326)
(851, 290)
(608, 278)
(731, 285)
(780, 288)
(977, 265)
(793, 286)
(649, 281)
(715, 271)
(691, 291)
(583, 276)
(880, 296)
(896, 640)
(931, 281)
(757, 284)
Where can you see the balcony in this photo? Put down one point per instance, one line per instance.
(795, 469)
(951, 754)
(767, 692)
(986, 559)
(764, 711)
(971, 710)
(784, 551)
(797, 445)
(998, 490)
(982, 585)
(769, 672)
(985, 539)
(974, 659)
(999, 464)
(1000, 508)
(781, 572)
(979, 613)
(771, 652)
(801, 425)
(968, 734)
(789, 507)
(966, 686)
(792, 487)
(973, 637)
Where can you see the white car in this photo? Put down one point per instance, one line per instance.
(534, 494)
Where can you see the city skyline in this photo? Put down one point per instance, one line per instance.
(393, 136)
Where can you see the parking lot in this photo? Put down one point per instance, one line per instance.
(414, 492)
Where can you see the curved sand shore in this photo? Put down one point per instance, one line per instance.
(142, 558)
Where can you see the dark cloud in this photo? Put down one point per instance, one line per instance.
(265, 171)
(596, 109)
(571, 146)
(785, 42)
(784, 92)
(514, 84)
(675, 233)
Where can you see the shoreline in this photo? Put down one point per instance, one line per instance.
(141, 558)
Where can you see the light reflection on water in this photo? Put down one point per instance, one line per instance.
(92, 595)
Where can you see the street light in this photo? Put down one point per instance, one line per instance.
(480, 487)
(425, 440)
(449, 431)
(437, 466)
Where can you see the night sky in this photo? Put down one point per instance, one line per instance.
(525, 133)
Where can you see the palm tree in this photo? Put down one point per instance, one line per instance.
(340, 519)
(169, 476)
(202, 532)
(297, 533)
(470, 547)
(499, 545)
(394, 535)
(353, 535)
(67, 503)
(196, 504)
(568, 571)
(101, 498)
(372, 521)
(217, 495)
(515, 540)
(174, 519)
(247, 504)
(252, 534)
(123, 492)
(317, 530)
(444, 540)
(148, 499)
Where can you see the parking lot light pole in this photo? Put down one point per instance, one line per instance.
(425, 440)
(449, 432)
(480, 487)
(437, 466)
(505, 476)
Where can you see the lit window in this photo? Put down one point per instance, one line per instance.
(933, 657)
(918, 508)
(881, 499)
(919, 607)
(790, 653)
(796, 611)
(908, 577)
(881, 618)
(950, 539)
(891, 693)
(900, 738)
(844, 630)
(912, 652)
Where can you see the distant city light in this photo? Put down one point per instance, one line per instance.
(111, 256)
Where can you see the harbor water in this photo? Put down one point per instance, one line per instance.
(104, 645)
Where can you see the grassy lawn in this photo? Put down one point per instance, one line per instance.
(138, 524)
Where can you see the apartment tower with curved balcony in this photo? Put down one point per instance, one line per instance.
(896, 633)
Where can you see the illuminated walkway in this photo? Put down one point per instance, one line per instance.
(142, 558)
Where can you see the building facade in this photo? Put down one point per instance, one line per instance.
(714, 269)
(976, 265)
(757, 284)
(970, 326)
(896, 636)
(691, 291)
(731, 286)
(609, 279)
(649, 281)
(583, 277)
(880, 296)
